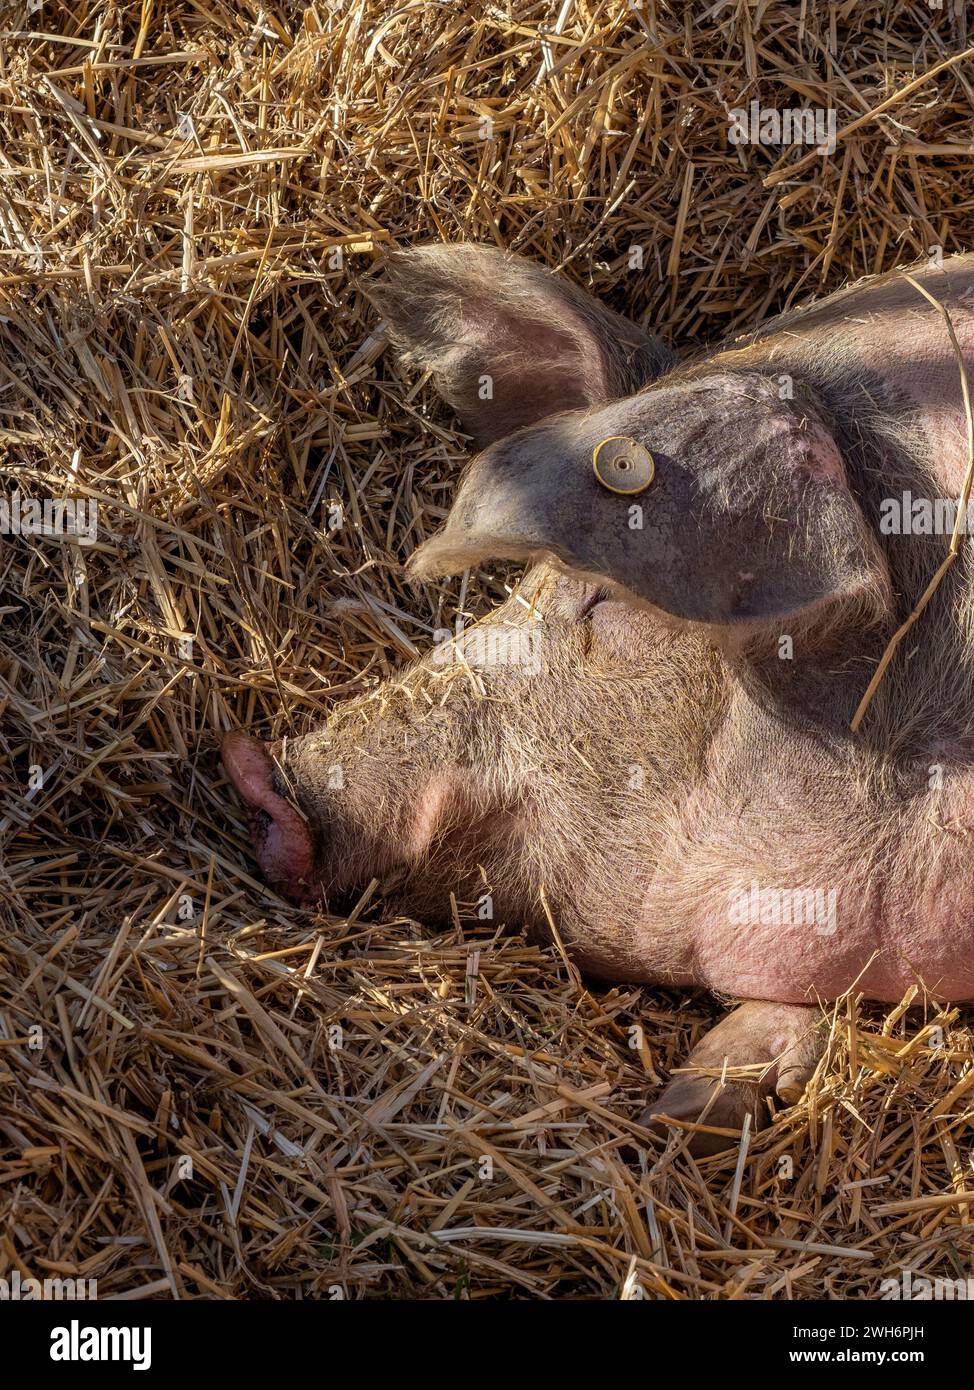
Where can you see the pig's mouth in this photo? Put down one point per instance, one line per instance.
(282, 839)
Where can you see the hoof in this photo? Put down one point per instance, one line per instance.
(786, 1040)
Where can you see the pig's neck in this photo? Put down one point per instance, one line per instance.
(794, 809)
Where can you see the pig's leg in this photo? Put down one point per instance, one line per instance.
(786, 1040)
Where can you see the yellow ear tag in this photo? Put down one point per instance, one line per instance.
(625, 467)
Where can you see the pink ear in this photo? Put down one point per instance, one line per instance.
(749, 518)
(283, 844)
(508, 343)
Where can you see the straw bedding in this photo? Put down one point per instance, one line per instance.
(205, 1092)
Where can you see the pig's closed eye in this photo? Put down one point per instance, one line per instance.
(598, 595)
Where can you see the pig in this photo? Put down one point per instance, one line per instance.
(652, 750)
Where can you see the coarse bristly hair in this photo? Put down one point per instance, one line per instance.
(521, 779)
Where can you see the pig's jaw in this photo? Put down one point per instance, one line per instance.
(282, 840)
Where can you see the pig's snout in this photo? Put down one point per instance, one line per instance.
(281, 837)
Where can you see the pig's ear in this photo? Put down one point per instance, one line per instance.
(743, 516)
(507, 342)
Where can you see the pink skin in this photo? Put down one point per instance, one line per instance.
(775, 800)
(784, 1042)
(284, 844)
(903, 907)
(885, 937)
(891, 935)
(884, 951)
(281, 839)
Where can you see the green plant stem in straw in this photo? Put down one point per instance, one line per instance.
(959, 521)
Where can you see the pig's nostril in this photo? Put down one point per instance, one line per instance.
(282, 839)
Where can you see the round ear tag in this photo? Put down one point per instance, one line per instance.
(622, 465)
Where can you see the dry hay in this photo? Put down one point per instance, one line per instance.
(176, 342)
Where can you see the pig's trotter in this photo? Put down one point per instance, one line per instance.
(784, 1040)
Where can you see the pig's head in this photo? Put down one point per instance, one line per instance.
(668, 515)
